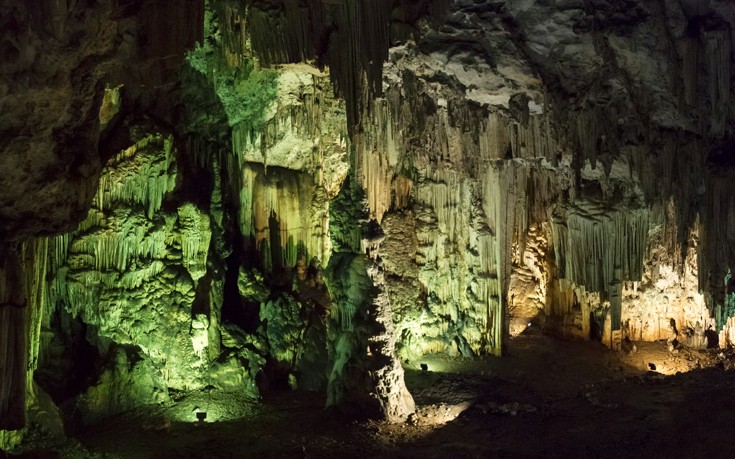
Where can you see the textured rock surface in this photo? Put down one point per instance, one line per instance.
(292, 168)
(520, 114)
(493, 164)
(58, 58)
(132, 269)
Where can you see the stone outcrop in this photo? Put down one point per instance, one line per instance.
(59, 57)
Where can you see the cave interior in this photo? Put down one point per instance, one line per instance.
(352, 228)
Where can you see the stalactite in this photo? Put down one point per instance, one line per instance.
(285, 172)
(287, 210)
(591, 243)
(348, 287)
(137, 176)
(668, 290)
(282, 35)
(357, 37)
(717, 255)
(124, 270)
(467, 287)
(474, 174)
(466, 195)
(377, 179)
(718, 62)
(568, 307)
(36, 257)
(140, 175)
(113, 248)
(443, 192)
(13, 349)
(303, 130)
(195, 231)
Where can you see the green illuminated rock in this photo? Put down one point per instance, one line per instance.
(129, 380)
(137, 273)
(245, 93)
(251, 286)
(283, 327)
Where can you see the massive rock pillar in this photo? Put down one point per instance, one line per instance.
(396, 403)
(13, 342)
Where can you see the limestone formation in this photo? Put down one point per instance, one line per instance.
(315, 194)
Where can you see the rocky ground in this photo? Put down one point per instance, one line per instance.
(547, 398)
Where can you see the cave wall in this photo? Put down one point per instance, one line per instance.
(316, 192)
(600, 127)
(596, 149)
(59, 58)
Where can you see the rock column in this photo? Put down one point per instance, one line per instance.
(13, 343)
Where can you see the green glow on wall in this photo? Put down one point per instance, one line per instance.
(283, 327)
(245, 92)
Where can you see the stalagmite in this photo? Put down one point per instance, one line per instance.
(385, 369)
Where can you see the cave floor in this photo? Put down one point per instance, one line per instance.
(546, 398)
